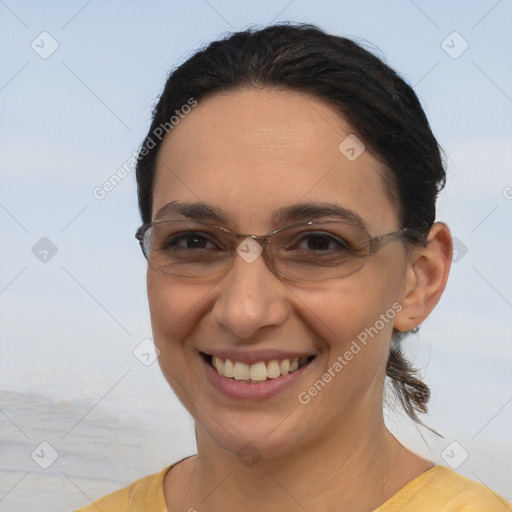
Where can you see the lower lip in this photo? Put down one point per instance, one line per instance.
(250, 390)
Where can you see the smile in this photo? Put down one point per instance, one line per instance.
(257, 372)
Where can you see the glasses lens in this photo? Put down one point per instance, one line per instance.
(187, 249)
(319, 251)
(314, 252)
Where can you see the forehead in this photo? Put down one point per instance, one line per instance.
(250, 152)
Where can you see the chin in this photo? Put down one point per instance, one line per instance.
(252, 436)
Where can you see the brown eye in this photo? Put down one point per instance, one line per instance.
(322, 242)
(318, 242)
(190, 241)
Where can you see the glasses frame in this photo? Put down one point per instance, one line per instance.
(374, 243)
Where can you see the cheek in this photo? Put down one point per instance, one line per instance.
(355, 339)
(351, 312)
(176, 309)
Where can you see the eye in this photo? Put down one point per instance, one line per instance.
(321, 241)
(190, 240)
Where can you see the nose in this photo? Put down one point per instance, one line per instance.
(251, 299)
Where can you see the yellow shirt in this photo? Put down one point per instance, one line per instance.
(439, 489)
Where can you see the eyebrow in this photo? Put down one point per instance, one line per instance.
(196, 211)
(293, 213)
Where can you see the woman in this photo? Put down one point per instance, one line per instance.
(287, 187)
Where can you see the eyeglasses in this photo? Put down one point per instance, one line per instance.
(308, 251)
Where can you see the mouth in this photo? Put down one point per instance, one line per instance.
(256, 372)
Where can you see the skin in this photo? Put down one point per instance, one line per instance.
(248, 153)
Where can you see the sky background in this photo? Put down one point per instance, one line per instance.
(71, 317)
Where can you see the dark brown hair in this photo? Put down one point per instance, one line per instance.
(381, 107)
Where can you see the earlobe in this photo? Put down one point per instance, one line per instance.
(426, 278)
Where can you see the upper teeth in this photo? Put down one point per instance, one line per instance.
(257, 371)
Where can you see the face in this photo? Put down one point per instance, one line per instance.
(248, 154)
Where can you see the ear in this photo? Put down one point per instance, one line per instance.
(426, 277)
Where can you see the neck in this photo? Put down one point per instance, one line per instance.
(356, 469)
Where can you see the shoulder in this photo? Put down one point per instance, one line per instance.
(444, 490)
(147, 491)
(466, 495)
